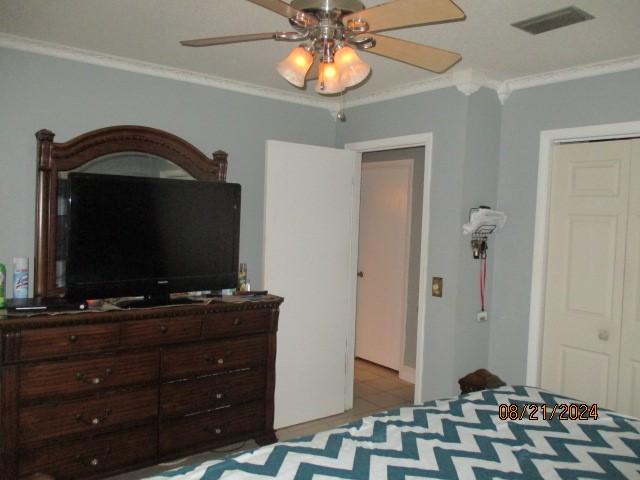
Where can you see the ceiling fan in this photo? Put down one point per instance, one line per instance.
(330, 29)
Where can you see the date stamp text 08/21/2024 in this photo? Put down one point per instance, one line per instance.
(542, 411)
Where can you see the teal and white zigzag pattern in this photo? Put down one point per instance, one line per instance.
(458, 438)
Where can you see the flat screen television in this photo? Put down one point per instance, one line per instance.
(134, 236)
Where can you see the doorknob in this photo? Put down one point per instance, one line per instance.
(361, 274)
(603, 334)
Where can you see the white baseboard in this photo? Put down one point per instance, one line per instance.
(408, 374)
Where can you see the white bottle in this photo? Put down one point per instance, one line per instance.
(20, 277)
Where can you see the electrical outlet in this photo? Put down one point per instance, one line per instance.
(483, 316)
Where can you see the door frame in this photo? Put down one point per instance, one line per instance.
(393, 143)
(548, 139)
(403, 369)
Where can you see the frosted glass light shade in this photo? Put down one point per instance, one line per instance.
(329, 80)
(294, 68)
(352, 69)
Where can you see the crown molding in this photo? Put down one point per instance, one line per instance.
(467, 81)
(573, 73)
(40, 47)
(404, 90)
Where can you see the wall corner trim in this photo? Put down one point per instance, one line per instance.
(467, 81)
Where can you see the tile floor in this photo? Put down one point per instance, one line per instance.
(376, 388)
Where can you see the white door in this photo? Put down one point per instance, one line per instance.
(310, 232)
(585, 270)
(629, 385)
(383, 259)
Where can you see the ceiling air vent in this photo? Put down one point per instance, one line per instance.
(553, 20)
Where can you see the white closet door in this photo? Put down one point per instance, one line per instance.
(585, 270)
(310, 237)
(629, 387)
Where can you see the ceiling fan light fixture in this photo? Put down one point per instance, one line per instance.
(332, 31)
(352, 69)
(329, 80)
(295, 66)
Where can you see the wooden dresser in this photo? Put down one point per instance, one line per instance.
(91, 394)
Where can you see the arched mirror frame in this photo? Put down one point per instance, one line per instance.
(54, 158)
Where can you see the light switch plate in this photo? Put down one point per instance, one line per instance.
(436, 287)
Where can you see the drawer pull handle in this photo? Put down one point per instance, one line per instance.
(219, 396)
(237, 321)
(164, 328)
(219, 361)
(212, 359)
(80, 417)
(215, 431)
(73, 338)
(93, 380)
(95, 461)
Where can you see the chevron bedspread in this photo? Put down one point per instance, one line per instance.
(457, 438)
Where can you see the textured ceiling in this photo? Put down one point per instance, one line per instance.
(149, 30)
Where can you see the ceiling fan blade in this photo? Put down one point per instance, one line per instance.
(423, 56)
(286, 10)
(206, 42)
(405, 13)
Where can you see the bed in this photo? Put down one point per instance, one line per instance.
(512, 432)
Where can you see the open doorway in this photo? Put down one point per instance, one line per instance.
(422, 196)
(389, 274)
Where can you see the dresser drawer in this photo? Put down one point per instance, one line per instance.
(156, 332)
(213, 357)
(206, 393)
(236, 323)
(59, 342)
(87, 415)
(70, 377)
(210, 427)
(91, 457)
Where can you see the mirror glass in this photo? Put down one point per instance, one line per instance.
(131, 164)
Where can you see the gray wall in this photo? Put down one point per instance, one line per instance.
(411, 323)
(451, 346)
(597, 100)
(480, 176)
(71, 98)
(470, 134)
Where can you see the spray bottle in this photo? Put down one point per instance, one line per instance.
(20, 277)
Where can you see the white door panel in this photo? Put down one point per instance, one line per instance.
(585, 270)
(629, 387)
(308, 253)
(383, 252)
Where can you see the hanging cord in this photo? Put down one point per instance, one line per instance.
(483, 281)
